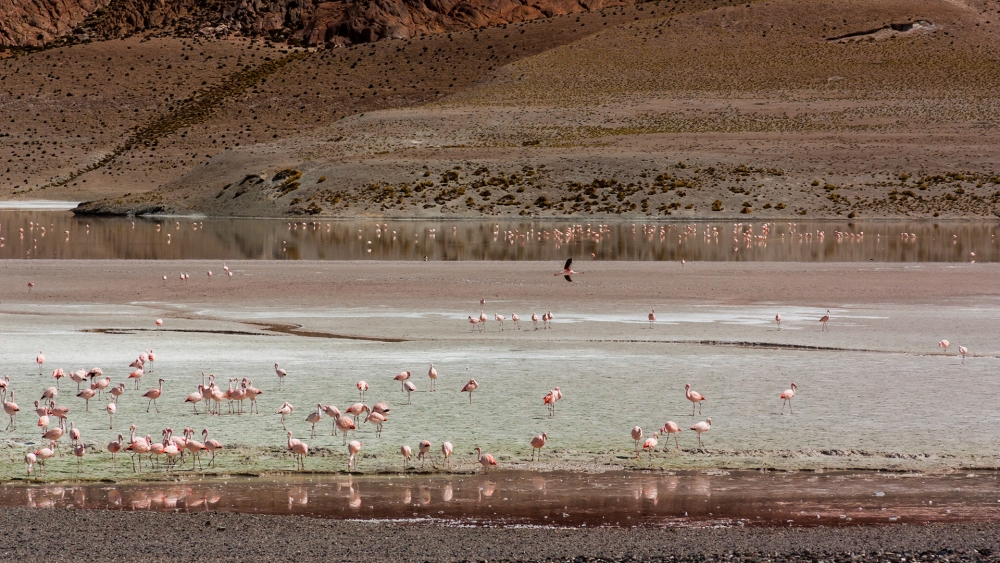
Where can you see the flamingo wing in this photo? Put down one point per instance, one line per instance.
(569, 262)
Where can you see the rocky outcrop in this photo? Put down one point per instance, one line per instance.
(301, 22)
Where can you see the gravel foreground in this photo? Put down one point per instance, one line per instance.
(76, 535)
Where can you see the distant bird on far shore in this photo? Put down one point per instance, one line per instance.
(777, 319)
(944, 344)
(652, 317)
(825, 318)
(963, 351)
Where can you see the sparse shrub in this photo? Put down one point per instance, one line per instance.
(814, 183)
(321, 179)
(780, 206)
(717, 205)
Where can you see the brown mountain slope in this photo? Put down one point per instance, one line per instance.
(748, 110)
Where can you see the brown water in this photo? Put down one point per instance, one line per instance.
(560, 498)
(59, 234)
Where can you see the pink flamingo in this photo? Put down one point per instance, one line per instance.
(425, 449)
(534, 320)
(446, 450)
(777, 319)
(11, 408)
(695, 397)
(549, 400)
(115, 446)
(118, 392)
(432, 373)
(362, 387)
(151, 358)
(193, 446)
(40, 359)
(649, 445)
(74, 434)
(43, 454)
(482, 319)
(196, 397)
(50, 393)
(345, 424)
(79, 450)
(636, 435)
(136, 375)
(516, 320)
(964, 352)
(701, 428)
(53, 434)
(474, 322)
(153, 395)
(377, 419)
(159, 323)
(31, 284)
(486, 460)
(409, 387)
(401, 377)
(944, 344)
(786, 397)
(671, 427)
(252, 394)
(825, 319)
(29, 460)
(652, 317)
(284, 410)
(112, 409)
(281, 374)
(100, 385)
(138, 447)
(79, 376)
(567, 271)
(87, 395)
(500, 319)
(211, 445)
(406, 452)
(58, 374)
(353, 448)
(356, 409)
(59, 412)
(313, 418)
(334, 413)
(469, 387)
(536, 445)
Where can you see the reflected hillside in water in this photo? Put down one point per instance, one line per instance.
(61, 235)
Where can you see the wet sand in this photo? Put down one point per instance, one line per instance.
(49, 535)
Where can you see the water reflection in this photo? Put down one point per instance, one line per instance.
(559, 498)
(59, 234)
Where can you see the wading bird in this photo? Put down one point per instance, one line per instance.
(695, 397)
(786, 397)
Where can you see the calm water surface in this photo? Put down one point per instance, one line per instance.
(559, 498)
(29, 233)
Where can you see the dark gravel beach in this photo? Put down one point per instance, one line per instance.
(96, 535)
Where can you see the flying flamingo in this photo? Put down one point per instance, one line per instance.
(695, 397)
(210, 445)
(446, 450)
(300, 449)
(406, 452)
(534, 320)
(313, 418)
(433, 374)
(786, 397)
(153, 395)
(87, 395)
(471, 386)
(636, 435)
(40, 359)
(567, 271)
(516, 320)
(671, 427)
(963, 351)
(401, 377)
(281, 374)
(353, 448)
(825, 318)
(11, 408)
(115, 446)
(777, 319)
(500, 319)
(944, 344)
(650, 444)
(425, 449)
(701, 428)
(536, 445)
(652, 317)
(112, 409)
(486, 460)
(284, 410)
(362, 387)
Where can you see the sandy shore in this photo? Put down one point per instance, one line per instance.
(48, 535)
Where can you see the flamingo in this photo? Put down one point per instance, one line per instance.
(377, 419)
(115, 446)
(112, 409)
(425, 449)
(356, 409)
(196, 397)
(516, 320)
(210, 445)
(409, 387)
(252, 394)
(313, 418)
(43, 454)
(695, 397)
(284, 410)
(944, 344)
(433, 374)
(786, 397)
(486, 460)
(100, 385)
(473, 322)
(549, 400)
(446, 450)
(59, 412)
(469, 387)
(300, 449)
(29, 460)
(118, 391)
(79, 376)
(136, 375)
(193, 446)
(671, 427)
(777, 319)
(40, 359)
(353, 448)
(362, 387)
(53, 434)
(58, 374)
(50, 393)
(11, 408)
(87, 395)
(281, 374)
(537, 443)
(500, 319)
(548, 319)
(138, 447)
(345, 424)
(825, 318)
(534, 320)
(701, 428)
(401, 377)
(153, 395)
(567, 270)
(964, 352)
(650, 444)
(334, 413)
(482, 319)
(43, 422)
(151, 358)
(652, 317)
(636, 435)
(31, 284)
(159, 323)
(406, 452)
(74, 434)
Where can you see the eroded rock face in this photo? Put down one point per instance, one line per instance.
(302, 22)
